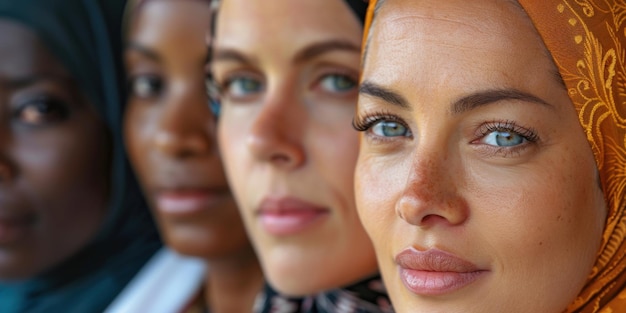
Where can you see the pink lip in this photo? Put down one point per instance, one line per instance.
(435, 272)
(289, 216)
(187, 201)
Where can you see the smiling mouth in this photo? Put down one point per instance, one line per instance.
(289, 216)
(435, 272)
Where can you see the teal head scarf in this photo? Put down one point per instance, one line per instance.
(85, 35)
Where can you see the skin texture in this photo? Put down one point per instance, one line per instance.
(529, 215)
(170, 134)
(54, 159)
(285, 132)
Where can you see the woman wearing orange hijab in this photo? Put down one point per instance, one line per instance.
(476, 182)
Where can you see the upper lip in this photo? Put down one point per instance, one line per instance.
(180, 177)
(280, 205)
(176, 185)
(433, 260)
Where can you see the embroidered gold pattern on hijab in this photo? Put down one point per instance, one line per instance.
(587, 40)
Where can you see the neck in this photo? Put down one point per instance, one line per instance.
(233, 282)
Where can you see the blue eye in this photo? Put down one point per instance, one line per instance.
(390, 129)
(503, 138)
(241, 87)
(337, 83)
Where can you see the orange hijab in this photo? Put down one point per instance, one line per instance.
(587, 40)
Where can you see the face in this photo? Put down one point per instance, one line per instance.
(287, 73)
(54, 159)
(170, 130)
(474, 180)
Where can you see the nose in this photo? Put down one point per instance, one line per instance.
(430, 196)
(276, 133)
(186, 126)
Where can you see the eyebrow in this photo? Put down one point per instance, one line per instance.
(323, 47)
(482, 98)
(22, 82)
(459, 106)
(147, 52)
(229, 55)
(310, 52)
(387, 95)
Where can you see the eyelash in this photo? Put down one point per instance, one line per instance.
(58, 110)
(226, 78)
(507, 125)
(365, 122)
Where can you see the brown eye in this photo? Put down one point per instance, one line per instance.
(145, 86)
(41, 111)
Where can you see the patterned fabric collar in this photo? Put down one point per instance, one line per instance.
(367, 296)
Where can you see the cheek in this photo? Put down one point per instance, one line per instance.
(549, 205)
(546, 212)
(66, 164)
(378, 184)
(236, 157)
(230, 139)
(64, 174)
(139, 131)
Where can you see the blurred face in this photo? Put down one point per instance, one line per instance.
(170, 130)
(287, 72)
(53, 160)
(475, 180)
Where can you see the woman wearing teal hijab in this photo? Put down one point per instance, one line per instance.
(73, 228)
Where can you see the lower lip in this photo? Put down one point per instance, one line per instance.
(185, 203)
(436, 283)
(290, 222)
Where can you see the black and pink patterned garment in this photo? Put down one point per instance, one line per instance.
(368, 296)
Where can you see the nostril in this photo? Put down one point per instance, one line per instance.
(280, 159)
(431, 219)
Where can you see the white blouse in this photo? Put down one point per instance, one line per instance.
(166, 284)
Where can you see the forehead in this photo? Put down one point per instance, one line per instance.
(269, 23)
(426, 38)
(164, 19)
(22, 53)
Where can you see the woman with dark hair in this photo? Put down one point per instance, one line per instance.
(286, 72)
